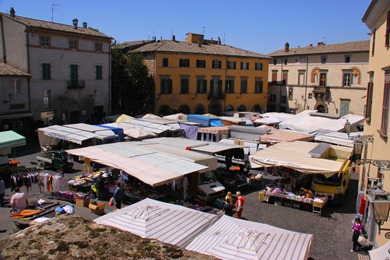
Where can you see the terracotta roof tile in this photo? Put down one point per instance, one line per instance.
(194, 48)
(9, 70)
(55, 26)
(359, 46)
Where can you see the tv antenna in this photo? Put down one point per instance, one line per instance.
(204, 28)
(53, 6)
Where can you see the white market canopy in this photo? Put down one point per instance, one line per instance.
(168, 223)
(232, 238)
(10, 139)
(151, 167)
(382, 252)
(297, 155)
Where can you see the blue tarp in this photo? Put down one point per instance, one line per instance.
(118, 131)
(205, 120)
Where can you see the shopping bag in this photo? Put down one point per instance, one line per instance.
(362, 240)
(111, 202)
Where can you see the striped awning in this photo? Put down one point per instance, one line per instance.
(231, 238)
(168, 223)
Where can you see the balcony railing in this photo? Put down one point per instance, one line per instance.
(321, 90)
(76, 84)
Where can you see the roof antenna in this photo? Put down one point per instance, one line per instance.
(53, 5)
(203, 30)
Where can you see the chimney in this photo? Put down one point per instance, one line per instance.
(199, 44)
(75, 22)
(286, 47)
(12, 12)
(85, 25)
(219, 40)
(173, 38)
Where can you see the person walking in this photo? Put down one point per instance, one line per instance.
(118, 195)
(357, 231)
(2, 192)
(239, 204)
(19, 200)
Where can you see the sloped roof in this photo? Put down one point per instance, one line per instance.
(55, 26)
(359, 46)
(194, 48)
(9, 70)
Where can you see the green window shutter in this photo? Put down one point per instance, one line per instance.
(74, 72)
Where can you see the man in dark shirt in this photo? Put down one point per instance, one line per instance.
(228, 208)
(118, 195)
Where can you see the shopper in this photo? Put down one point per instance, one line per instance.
(357, 231)
(99, 185)
(118, 195)
(19, 200)
(228, 208)
(239, 204)
(2, 192)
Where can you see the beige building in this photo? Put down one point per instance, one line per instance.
(69, 67)
(330, 78)
(376, 155)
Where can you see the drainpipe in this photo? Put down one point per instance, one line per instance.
(307, 72)
(109, 79)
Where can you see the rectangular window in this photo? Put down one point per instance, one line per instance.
(217, 64)
(258, 85)
(165, 85)
(244, 65)
(201, 85)
(165, 62)
(285, 76)
(46, 71)
(272, 98)
(229, 85)
(244, 85)
(347, 78)
(44, 41)
(301, 77)
(285, 61)
(344, 107)
(15, 87)
(184, 63)
(310, 96)
(385, 106)
(323, 59)
(73, 44)
(74, 75)
(290, 93)
(231, 65)
(98, 46)
(347, 58)
(46, 98)
(387, 39)
(275, 61)
(370, 86)
(322, 79)
(258, 66)
(274, 75)
(201, 63)
(99, 72)
(184, 84)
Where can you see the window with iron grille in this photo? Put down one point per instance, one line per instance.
(184, 63)
(46, 71)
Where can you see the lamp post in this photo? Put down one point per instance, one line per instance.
(380, 202)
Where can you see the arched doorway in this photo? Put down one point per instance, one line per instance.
(256, 108)
(185, 109)
(165, 110)
(241, 108)
(199, 109)
(322, 109)
(215, 108)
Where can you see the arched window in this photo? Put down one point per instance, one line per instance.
(229, 108)
(185, 109)
(256, 108)
(199, 109)
(241, 108)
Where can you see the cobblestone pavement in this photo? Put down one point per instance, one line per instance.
(332, 230)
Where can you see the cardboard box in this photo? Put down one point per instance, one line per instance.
(97, 207)
(82, 202)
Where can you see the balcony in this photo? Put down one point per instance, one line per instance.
(76, 84)
(322, 93)
(216, 96)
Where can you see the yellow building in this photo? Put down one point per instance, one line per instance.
(376, 155)
(200, 76)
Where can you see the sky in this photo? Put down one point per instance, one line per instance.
(261, 26)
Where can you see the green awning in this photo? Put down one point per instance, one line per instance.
(9, 139)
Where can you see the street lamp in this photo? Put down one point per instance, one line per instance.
(379, 199)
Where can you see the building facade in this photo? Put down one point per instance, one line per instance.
(328, 78)
(376, 156)
(204, 76)
(69, 67)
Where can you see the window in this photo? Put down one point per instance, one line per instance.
(244, 85)
(74, 75)
(274, 75)
(184, 63)
(46, 71)
(301, 77)
(73, 44)
(231, 65)
(344, 107)
(290, 93)
(310, 96)
(184, 84)
(323, 59)
(201, 63)
(285, 76)
(347, 78)
(44, 41)
(165, 85)
(165, 62)
(46, 98)
(201, 85)
(285, 61)
(283, 99)
(272, 98)
(370, 86)
(258, 66)
(387, 39)
(275, 61)
(258, 85)
(385, 106)
(99, 72)
(217, 64)
(229, 85)
(98, 47)
(347, 58)
(373, 42)
(244, 65)
(15, 86)
(322, 79)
